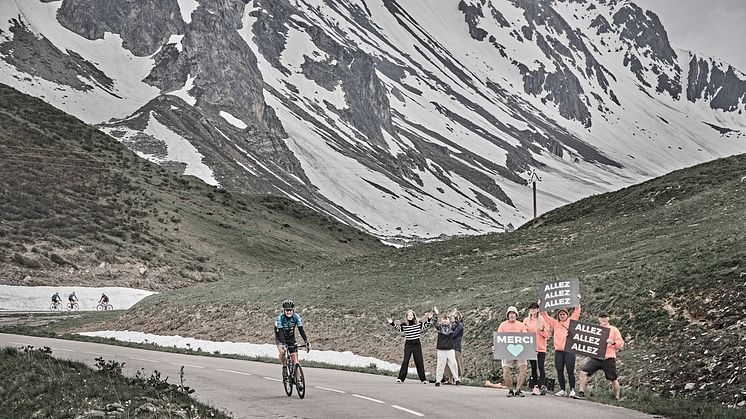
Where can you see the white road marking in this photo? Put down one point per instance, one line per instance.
(17, 343)
(273, 379)
(366, 398)
(233, 372)
(185, 365)
(96, 353)
(407, 410)
(61, 349)
(330, 389)
(143, 359)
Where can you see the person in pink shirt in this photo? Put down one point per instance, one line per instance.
(513, 325)
(535, 324)
(563, 360)
(608, 365)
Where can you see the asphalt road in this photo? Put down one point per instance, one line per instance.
(247, 389)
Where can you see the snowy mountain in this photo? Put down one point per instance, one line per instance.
(408, 119)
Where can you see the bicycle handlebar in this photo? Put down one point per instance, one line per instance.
(305, 345)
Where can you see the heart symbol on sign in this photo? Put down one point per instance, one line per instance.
(515, 350)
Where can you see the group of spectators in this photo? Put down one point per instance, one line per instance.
(450, 365)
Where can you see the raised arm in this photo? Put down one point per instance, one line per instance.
(548, 319)
(396, 327)
(576, 312)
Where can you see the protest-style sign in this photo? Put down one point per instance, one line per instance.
(587, 339)
(511, 345)
(562, 293)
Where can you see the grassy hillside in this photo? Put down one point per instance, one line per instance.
(36, 385)
(77, 207)
(666, 258)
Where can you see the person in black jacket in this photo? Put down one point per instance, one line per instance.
(457, 337)
(446, 354)
(412, 330)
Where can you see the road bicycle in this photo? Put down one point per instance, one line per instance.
(104, 306)
(295, 374)
(73, 306)
(56, 306)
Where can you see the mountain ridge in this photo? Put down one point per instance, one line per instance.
(335, 103)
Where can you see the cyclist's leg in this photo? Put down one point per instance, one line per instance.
(281, 353)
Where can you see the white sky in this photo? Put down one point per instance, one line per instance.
(712, 27)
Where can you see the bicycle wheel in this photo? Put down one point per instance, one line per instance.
(100, 307)
(288, 383)
(300, 381)
(109, 307)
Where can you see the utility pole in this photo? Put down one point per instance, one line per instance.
(532, 179)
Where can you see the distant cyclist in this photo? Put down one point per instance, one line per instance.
(285, 326)
(104, 299)
(72, 298)
(56, 298)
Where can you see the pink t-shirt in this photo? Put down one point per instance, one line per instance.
(616, 336)
(514, 327)
(560, 328)
(541, 330)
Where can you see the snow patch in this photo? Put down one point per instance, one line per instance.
(346, 358)
(183, 93)
(19, 298)
(233, 120)
(187, 7)
(176, 40)
(181, 150)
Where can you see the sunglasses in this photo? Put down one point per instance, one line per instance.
(289, 309)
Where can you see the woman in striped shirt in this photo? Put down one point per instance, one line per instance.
(412, 330)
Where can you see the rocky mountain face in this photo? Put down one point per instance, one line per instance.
(403, 119)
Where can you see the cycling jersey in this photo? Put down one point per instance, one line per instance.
(285, 328)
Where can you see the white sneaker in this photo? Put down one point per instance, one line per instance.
(572, 393)
(560, 393)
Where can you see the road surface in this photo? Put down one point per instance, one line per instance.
(246, 389)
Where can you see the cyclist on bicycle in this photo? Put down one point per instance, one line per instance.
(285, 326)
(104, 299)
(72, 298)
(56, 298)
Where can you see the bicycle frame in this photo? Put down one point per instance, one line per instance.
(295, 374)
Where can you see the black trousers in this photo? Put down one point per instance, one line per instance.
(541, 378)
(565, 360)
(412, 347)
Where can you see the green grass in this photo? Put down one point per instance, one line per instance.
(75, 200)
(37, 385)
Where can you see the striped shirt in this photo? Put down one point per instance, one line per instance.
(412, 331)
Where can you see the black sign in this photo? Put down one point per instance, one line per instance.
(587, 339)
(562, 293)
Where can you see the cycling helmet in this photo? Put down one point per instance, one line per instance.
(288, 304)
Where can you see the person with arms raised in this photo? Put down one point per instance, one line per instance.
(563, 360)
(412, 329)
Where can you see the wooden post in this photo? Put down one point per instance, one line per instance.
(533, 178)
(534, 203)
